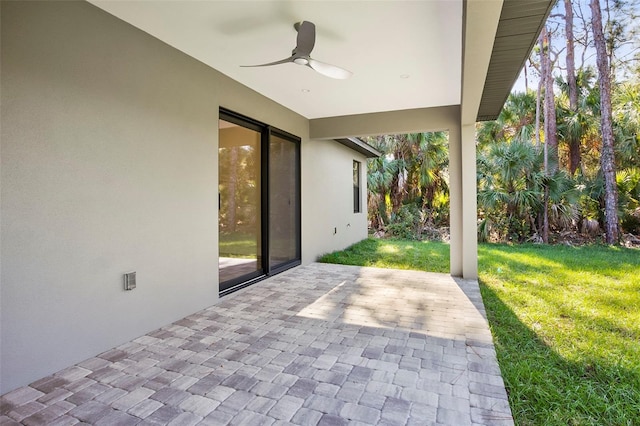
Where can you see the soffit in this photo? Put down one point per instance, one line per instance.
(518, 29)
(360, 146)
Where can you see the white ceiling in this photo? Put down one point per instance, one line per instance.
(379, 41)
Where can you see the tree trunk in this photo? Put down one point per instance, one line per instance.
(382, 208)
(543, 77)
(233, 184)
(545, 219)
(575, 156)
(397, 190)
(538, 96)
(607, 158)
(550, 125)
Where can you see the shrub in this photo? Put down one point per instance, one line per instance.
(406, 223)
(630, 223)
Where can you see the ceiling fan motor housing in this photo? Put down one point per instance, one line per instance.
(301, 54)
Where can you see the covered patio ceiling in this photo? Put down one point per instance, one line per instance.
(380, 42)
(404, 55)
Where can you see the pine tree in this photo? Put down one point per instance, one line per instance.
(607, 157)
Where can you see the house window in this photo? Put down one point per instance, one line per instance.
(356, 187)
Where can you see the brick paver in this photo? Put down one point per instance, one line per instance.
(316, 345)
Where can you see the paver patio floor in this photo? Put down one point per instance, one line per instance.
(316, 345)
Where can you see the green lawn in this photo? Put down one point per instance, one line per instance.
(238, 245)
(393, 253)
(566, 323)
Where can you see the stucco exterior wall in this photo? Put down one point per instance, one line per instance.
(109, 165)
(329, 222)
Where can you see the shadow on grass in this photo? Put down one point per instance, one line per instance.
(393, 253)
(546, 389)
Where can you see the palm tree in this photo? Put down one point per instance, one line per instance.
(378, 183)
(403, 155)
(412, 169)
(578, 128)
(516, 120)
(510, 191)
(429, 167)
(626, 115)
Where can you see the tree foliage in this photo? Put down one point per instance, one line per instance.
(408, 186)
(562, 159)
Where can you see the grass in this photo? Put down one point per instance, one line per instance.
(565, 320)
(394, 253)
(239, 245)
(245, 246)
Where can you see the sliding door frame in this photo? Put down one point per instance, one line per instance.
(298, 211)
(266, 270)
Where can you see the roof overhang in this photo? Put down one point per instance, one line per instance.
(518, 29)
(360, 146)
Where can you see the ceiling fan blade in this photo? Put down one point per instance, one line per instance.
(306, 38)
(329, 70)
(305, 42)
(282, 61)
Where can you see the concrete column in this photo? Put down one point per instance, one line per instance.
(469, 203)
(455, 202)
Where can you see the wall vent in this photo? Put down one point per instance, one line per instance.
(130, 281)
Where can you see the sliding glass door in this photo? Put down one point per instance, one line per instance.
(240, 205)
(284, 212)
(259, 201)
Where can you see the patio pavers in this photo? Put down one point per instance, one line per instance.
(317, 345)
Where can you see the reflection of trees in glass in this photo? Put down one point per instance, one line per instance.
(282, 200)
(239, 188)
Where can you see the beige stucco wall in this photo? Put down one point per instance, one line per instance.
(328, 219)
(109, 164)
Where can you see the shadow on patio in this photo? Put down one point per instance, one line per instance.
(318, 345)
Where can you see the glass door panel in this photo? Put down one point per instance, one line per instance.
(284, 202)
(240, 210)
(259, 201)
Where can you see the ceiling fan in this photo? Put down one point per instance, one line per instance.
(301, 54)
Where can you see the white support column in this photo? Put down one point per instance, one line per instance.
(481, 20)
(469, 203)
(455, 202)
